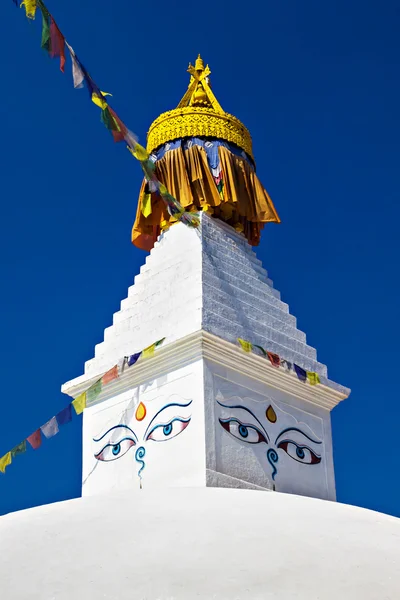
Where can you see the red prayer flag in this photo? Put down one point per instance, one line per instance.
(35, 439)
(110, 375)
(57, 46)
(274, 358)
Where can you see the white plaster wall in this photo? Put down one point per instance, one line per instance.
(306, 429)
(175, 459)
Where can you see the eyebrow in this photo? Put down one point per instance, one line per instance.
(162, 409)
(112, 429)
(247, 410)
(299, 431)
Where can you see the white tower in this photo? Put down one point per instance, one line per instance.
(229, 418)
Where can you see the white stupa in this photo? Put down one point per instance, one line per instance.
(207, 471)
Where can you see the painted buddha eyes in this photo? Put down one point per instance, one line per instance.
(113, 451)
(243, 431)
(302, 454)
(164, 432)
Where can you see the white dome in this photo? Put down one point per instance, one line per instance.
(199, 543)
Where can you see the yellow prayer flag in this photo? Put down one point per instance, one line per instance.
(146, 205)
(100, 102)
(30, 8)
(147, 352)
(79, 403)
(247, 347)
(5, 461)
(313, 378)
(163, 189)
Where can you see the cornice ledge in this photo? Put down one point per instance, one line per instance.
(201, 344)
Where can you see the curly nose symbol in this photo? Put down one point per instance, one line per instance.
(139, 456)
(273, 458)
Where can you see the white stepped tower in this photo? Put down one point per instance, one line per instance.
(229, 419)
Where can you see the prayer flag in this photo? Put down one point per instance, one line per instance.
(159, 342)
(146, 205)
(130, 139)
(79, 403)
(30, 8)
(274, 358)
(301, 373)
(261, 349)
(134, 358)
(5, 461)
(149, 351)
(246, 346)
(50, 429)
(93, 391)
(57, 43)
(139, 152)
(313, 378)
(35, 439)
(98, 99)
(120, 131)
(122, 364)
(77, 73)
(287, 364)
(20, 449)
(65, 415)
(46, 44)
(110, 375)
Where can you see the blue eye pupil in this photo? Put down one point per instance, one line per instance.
(116, 449)
(244, 432)
(300, 452)
(167, 429)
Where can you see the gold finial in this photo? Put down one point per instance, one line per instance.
(199, 65)
(198, 114)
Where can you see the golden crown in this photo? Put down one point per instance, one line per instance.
(198, 114)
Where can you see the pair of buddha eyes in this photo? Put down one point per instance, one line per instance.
(161, 432)
(253, 435)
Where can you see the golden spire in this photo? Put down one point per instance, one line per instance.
(198, 114)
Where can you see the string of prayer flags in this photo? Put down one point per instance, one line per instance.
(99, 99)
(301, 373)
(313, 378)
(79, 403)
(35, 439)
(5, 461)
(65, 415)
(18, 450)
(50, 429)
(30, 8)
(246, 346)
(277, 361)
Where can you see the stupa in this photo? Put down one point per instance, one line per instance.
(207, 470)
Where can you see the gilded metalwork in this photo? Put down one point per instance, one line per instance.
(198, 114)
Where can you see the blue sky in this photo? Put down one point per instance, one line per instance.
(318, 86)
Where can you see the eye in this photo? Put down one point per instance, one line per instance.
(241, 431)
(114, 451)
(302, 454)
(167, 431)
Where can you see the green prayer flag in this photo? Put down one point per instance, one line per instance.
(261, 349)
(94, 391)
(20, 449)
(46, 41)
(108, 120)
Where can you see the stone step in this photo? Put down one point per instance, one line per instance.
(218, 314)
(248, 284)
(240, 261)
(230, 334)
(276, 319)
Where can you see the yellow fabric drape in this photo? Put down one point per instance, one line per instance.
(30, 8)
(243, 203)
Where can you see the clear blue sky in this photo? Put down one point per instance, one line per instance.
(318, 85)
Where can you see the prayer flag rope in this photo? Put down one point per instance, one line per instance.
(277, 361)
(52, 427)
(54, 42)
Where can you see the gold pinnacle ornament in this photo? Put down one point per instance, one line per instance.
(198, 114)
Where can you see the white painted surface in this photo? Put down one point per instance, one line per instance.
(165, 448)
(199, 544)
